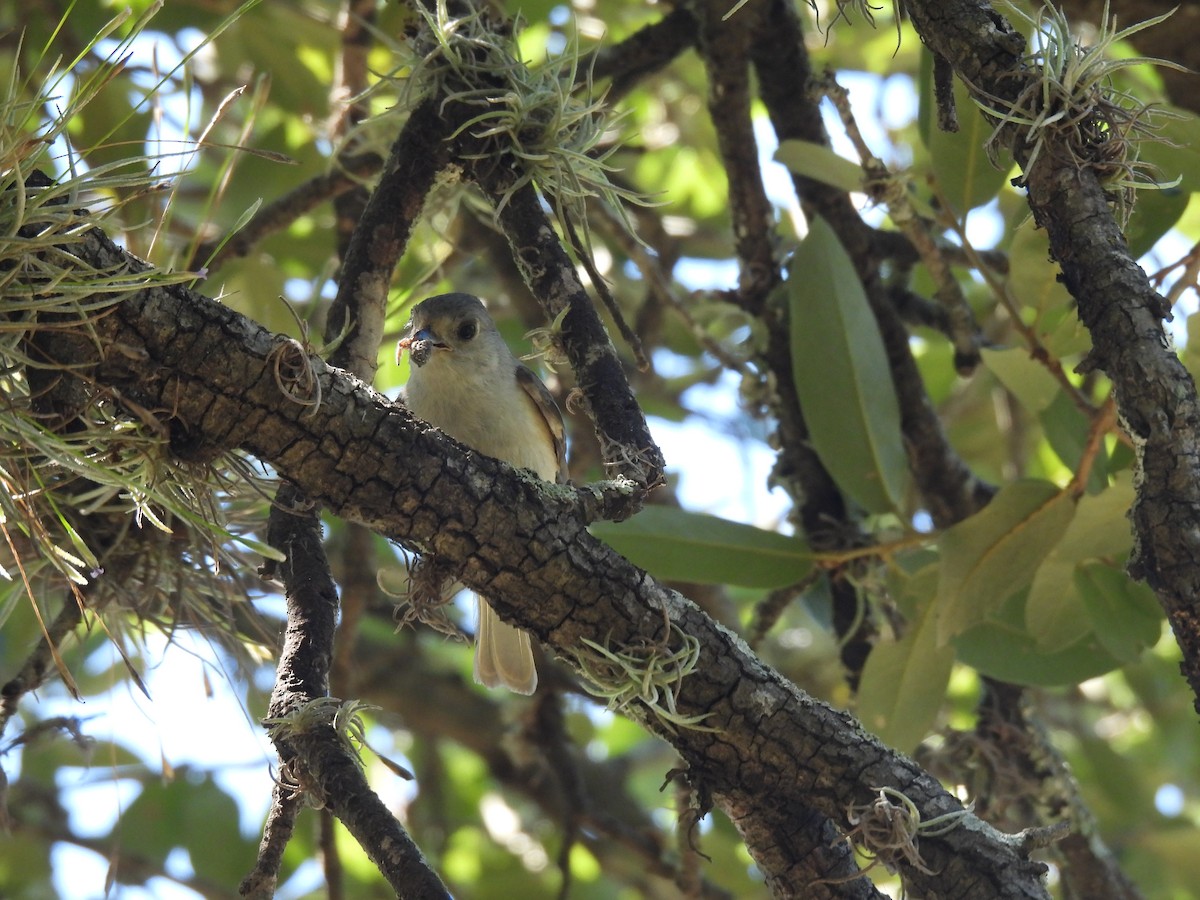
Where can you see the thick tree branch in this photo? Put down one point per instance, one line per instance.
(420, 152)
(1156, 397)
(765, 747)
(625, 440)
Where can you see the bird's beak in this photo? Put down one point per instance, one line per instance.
(426, 334)
(420, 345)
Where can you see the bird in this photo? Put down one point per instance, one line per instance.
(465, 381)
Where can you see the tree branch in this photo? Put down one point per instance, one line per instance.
(764, 748)
(1156, 397)
(724, 45)
(625, 440)
(420, 152)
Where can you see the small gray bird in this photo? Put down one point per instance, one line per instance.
(465, 381)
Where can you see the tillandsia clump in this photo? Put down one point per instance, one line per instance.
(122, 508)
(1071, 108)
(547, 118)
(651, 674)
(889, 826)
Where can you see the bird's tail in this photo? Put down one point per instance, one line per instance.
(503, 656)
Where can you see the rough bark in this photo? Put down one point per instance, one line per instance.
(765, 749)
(1156, 397)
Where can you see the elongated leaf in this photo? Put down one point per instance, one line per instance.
(1176, 151)
(1055, 613)
(993, 555)
(842, 375)
(1125, 614)
(677, 545)
(820, 162)
(1155, 214)
(1008, 653)
(904, 682)
(1020, 373)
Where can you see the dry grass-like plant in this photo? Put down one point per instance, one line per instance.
(116, 511)
(1070, 107)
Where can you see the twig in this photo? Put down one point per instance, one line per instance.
(38, 666)
(891, 190)
(263, 879)
(663, 289)
(419, 153)
(724, 48)
(1003, 292)
(1101, 424)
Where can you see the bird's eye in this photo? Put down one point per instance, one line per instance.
(467, 330)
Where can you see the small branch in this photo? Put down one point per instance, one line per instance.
(662, 287)
(350, 108)
(331, 860)
(346, 793)
(1189, 265)
(724, 47)
(690, 808)
(547, 731)
(420, 152)
(263, 880)
(645, 52)
(629, 450)
(38, 667)
(1002, 291)
(895, 246)
(1104, 421)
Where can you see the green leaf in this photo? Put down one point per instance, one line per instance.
(904, 682)
(1154, 214)
(1008, 653)
(1022, 375)
(842, 375)
(1125, 614)
(958, 159)
(820, 163)
(1066, 428)
(1032, 276)
(193, 813)
(1175, 151)
(1055, 613)
(993, 554)
(677, 545)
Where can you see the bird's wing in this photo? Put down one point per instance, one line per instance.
(549, 409)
